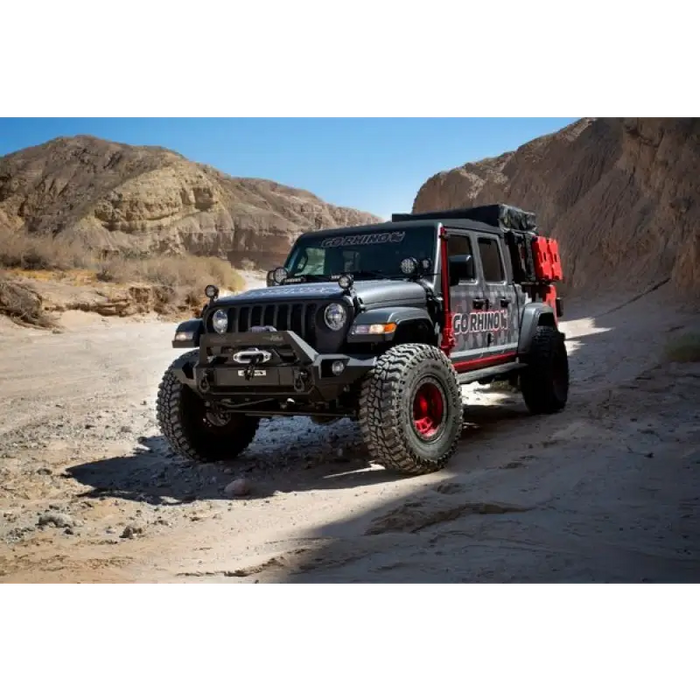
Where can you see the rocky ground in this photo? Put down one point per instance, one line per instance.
(609, 490)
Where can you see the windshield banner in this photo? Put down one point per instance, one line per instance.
(364, 239)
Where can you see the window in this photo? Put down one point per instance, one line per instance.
(312, 264)
(491, 260)
(351, 260)
(458, 245)
(374, 253)
(459, 251)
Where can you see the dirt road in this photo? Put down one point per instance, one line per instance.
(609, 490)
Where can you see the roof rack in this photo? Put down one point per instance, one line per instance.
(503, 216)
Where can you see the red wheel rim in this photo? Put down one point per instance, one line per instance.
(428, 410)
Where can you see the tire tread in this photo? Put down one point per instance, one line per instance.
(536, 381)
(379, 411)
(169, 415)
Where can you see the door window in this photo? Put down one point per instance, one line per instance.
(459, 248)
(491, 261)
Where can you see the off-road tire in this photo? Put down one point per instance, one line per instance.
(182, 417)
(387, 412)
(545, 381)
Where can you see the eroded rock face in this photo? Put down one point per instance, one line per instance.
(21, 303)
(621, 195)
(114, 197)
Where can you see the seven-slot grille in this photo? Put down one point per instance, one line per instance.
(299, 318)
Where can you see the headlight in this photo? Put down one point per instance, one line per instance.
(220, 320)
(334, 316)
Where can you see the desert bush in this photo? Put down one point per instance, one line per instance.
(188, 274)
(247, 265)
(40, 253)
(685, 348)
(181, 279)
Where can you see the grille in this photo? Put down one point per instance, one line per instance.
(299, 318)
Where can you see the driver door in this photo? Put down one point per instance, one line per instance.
(466, 293)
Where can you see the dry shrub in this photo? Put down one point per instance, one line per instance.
(685, 348)
(185, 275)
(247, 265)
(180, 280)
(30, 253)
(22, 304)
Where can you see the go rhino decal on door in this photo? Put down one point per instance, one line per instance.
(480, 322)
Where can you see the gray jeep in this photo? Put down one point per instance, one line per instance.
(381, 324)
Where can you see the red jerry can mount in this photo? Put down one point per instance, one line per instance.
(545, 252)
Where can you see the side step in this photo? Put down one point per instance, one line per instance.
(490, 372)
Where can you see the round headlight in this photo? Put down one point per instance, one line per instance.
(334, 316)
(220, 320)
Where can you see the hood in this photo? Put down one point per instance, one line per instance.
(390, 292)
(370, 292)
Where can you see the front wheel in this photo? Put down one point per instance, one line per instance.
(545, 381)
(195, 430)
(410, 410)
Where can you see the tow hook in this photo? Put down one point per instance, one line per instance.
(300, 380)
(206, 380)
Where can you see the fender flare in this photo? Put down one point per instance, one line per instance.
(535, 314)
(400, 315)
(195, 327)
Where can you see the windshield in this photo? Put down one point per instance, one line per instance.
(376, 254)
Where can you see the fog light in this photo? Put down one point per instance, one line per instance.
(183, 336)
(337, 367)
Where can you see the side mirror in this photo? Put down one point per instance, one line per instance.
(461, 268)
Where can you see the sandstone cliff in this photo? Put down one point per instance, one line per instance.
(111, 197)
(621, 195)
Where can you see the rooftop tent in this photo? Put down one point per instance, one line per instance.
(503, 216)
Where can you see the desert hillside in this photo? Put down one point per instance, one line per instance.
(111, 197)
(621, 195)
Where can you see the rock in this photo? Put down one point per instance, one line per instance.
(146, 199)
(18, 533)
(20, 302)
(617, 193)
(56, 519)
(131, 531)
(238, 487)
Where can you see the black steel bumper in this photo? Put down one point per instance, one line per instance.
(294, 370)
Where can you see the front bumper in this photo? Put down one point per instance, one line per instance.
(295, 370)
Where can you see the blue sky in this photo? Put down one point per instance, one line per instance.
(376, 165)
